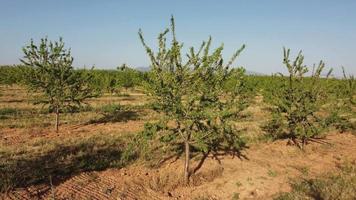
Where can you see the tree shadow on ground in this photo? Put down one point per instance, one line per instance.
(116, 116)
(12, 101)
(61, 162)
(217, 154)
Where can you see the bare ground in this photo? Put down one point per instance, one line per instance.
(268, 169)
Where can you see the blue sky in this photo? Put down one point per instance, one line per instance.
(104, 33)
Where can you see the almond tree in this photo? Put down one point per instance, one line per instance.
(198, 113)
(296, 99)
(349, 88)
(50, 72)
(342, 103)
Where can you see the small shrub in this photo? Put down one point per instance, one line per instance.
(295, 100)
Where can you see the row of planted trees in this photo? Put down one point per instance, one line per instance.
(103, 80)
(200, 95)
(49, 74)
(202, 98)
(113, 81)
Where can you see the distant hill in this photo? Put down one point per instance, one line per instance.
(143, 69)
(254, 73)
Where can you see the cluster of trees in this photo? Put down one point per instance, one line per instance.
(113, 81)
(10, 75)
(47, 71)
(200, 96)
(103, 80)
(201, 99)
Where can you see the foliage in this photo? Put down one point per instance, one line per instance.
(198, 113)
(128, 77)
(237, 82)
(50, 72)
(5, 112)
(349, 85)
(10, 75)
(110, 108)
(296, 101)
(113, 80)
(342, 102)
(341, 185)
(142, 144)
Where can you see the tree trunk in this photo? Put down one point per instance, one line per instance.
(186, 165)
(52, 188)
(57, 118)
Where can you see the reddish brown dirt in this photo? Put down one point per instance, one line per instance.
(267, 171)
(271, 166)
(20, 136)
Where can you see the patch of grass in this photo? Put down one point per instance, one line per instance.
(123, 94)
(8, 111)
(236, 196)
(165, 181)
(341, 185)
(238, 184)
(272, 173)
(109, 108)
(115, 113)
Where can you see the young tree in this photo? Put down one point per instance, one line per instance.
(349, 88)
(50, 72)
(342, 103)
(198, 113)
(127, 77)
(112, 86)
(296, 100)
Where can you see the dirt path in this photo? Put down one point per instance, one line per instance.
(268, 170)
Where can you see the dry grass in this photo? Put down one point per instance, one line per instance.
(35, 161)
(29, 115)
(95, 138)
(30, 150)
(340, 185)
